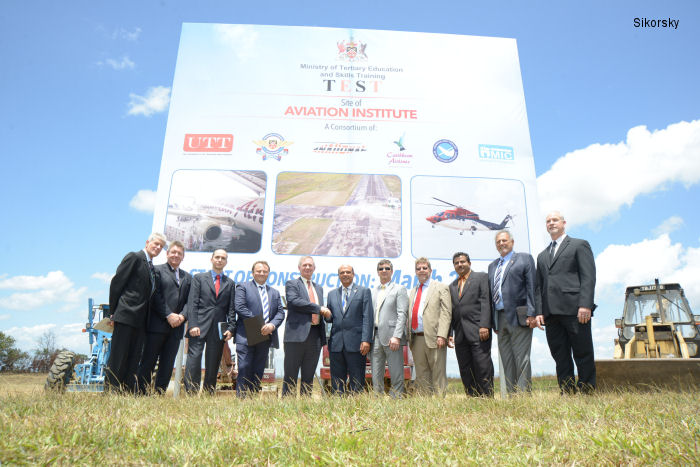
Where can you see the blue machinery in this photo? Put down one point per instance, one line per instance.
(90, 376)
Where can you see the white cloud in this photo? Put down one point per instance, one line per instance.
(55, 288)
(241, 39)
(127, 34)
(619, 266)
(4, 317)
(156, 100)
(118, 64)
(669, 225)
(103, 276)
(68, 336)
(590, 184)
(144, 201)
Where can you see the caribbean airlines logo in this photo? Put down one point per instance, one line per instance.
(489, 152)
(339, 148)
(399, 157)
(208, 142)
(352, 50)
(445, 151)
(272, 145)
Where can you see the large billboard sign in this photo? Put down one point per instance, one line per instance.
(347, 145)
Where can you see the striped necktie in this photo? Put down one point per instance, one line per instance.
(265, 303)
(497, 282)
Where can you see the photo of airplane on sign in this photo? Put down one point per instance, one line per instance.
(217, 209)
(463, 219)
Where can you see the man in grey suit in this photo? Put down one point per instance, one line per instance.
(130, 293)
(210, 302)
(305, 332)
(390, 304)
(471, 324)
(255, 298)
(165, 326)
(512, 280)
(351, 333)
(564, 303)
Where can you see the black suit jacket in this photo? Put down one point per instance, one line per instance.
(170, 297)
(568, 281)
(517, 287)
(471, 311)
(300, 309)
(130, 290)
(205, 309)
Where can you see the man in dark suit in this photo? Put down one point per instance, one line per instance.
(210, 302)
(351, 333)
(471, 324)
(564, 304)
(305, 331)
(512, 283)
(255, 298)
(164, 329)
(130, 295)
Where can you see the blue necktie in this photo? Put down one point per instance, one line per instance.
(497, 283)
(265, 303)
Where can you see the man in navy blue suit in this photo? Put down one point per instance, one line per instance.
(305, 331)
(256, 298)
(351, 333)
(512, 280)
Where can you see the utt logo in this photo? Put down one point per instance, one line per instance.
(208, 143)
(351, 51)
(496, 153)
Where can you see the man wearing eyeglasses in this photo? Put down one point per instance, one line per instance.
(428, 326)
(390, 305)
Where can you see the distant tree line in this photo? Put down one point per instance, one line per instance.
(39, 360)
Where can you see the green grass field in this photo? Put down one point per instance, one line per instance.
(306, 233)
(292, 184)
(544, 428)
(393, 183)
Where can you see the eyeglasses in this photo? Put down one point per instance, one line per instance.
(383, 269)
(422, 268)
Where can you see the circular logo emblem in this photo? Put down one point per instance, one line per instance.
(445, 150)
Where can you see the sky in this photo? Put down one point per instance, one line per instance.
(613, 112)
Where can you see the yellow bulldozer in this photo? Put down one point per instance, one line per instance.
(658, 344)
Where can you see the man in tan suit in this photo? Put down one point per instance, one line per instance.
(430, 314)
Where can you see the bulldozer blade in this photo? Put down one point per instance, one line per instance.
(648, 374)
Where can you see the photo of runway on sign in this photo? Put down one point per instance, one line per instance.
(326, 214)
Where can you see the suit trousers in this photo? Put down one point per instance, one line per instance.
(514, 343)
(431, 369)
(124, 356)
(251, 367)
(475, 367)
(161, 348)
(566, 336)
(347, 371)
(394, 359)
(302, 356)
(213, 348)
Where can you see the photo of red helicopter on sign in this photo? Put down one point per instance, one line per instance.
(451, 214)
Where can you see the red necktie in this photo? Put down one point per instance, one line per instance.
(416, 306)
(217, 285)
(315, 319)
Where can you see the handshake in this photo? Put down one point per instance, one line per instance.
(316, 319)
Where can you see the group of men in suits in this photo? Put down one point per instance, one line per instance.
(150, 305)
